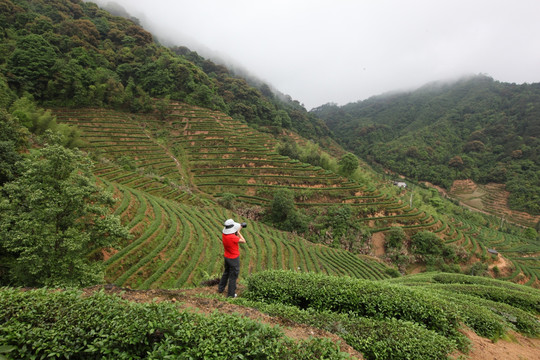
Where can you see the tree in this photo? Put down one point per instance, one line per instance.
(32, 63)
(40, 121)
(52, 217)
(282, 205)
(395, 237)
(348, 164)
(12, 137)
(283, 213)
(282, 119)
(339, 219)
(289, 148)
(8, 157)
(530, 233)
(6, 95)
(426, 242)
(456, 162)
(227, 200)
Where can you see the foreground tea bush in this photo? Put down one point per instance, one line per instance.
(375, 339)
(525, 301)
(478, 313)
(523, 297)
(480, 300)
(42, 324)
(450, 278)
(378, 300)
(361, 297)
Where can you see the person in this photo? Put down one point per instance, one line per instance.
(231, 237)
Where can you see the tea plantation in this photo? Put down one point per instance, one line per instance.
(168, 173)
(195, 156)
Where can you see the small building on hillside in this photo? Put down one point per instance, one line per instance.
(400, 184)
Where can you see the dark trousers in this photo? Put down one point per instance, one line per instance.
(232, 269)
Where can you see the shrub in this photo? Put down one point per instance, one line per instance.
(64, 324)
(478, 268)
(395, 237)
(227, 200)
(375, 338)
(393, 272)
(360, 297)
(425, 242)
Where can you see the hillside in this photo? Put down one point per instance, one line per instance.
(72, 53)
(154, 166)
(474, 128)
(188, 155)
(119, 161)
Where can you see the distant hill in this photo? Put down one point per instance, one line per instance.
(474, 128)
(120, 159)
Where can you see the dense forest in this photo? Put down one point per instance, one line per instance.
(120, 158)
(72, 53)
(474, 128)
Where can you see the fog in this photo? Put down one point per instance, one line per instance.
(341, 51)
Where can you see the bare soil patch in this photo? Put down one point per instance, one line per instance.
(518, 347)
(377, 244)
(505, 267)
(190, 300)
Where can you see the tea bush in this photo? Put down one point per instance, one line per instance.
(446, 278)
(40, 324)
(375, 339)
(525, 301)
(361, 297)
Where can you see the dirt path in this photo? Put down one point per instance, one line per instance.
(188, 299)
(522, 349)
(377, 244)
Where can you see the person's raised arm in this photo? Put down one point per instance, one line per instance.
(242, 240)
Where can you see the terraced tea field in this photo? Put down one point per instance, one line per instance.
(492, 199)
(176, 228)
(168, 171)
(198, 151)
(176, 244)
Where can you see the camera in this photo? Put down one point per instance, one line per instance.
(243, 224)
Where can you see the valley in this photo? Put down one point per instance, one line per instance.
(120, 159)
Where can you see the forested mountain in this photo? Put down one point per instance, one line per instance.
(64, 55)
(474, 128)
(71, 53)
(120, 159)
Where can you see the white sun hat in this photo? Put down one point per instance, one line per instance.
(231, 226)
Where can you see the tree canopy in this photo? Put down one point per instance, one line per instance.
(51, 218)
(72, 53)
(475, 128)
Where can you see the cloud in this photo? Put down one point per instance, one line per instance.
(343, 50)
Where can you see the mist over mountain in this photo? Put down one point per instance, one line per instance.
(171, 37)
(121, 158)
(318, 51)
(472, 128)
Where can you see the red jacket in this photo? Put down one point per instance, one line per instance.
(230, 244)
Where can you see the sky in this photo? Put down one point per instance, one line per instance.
(342, 51)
